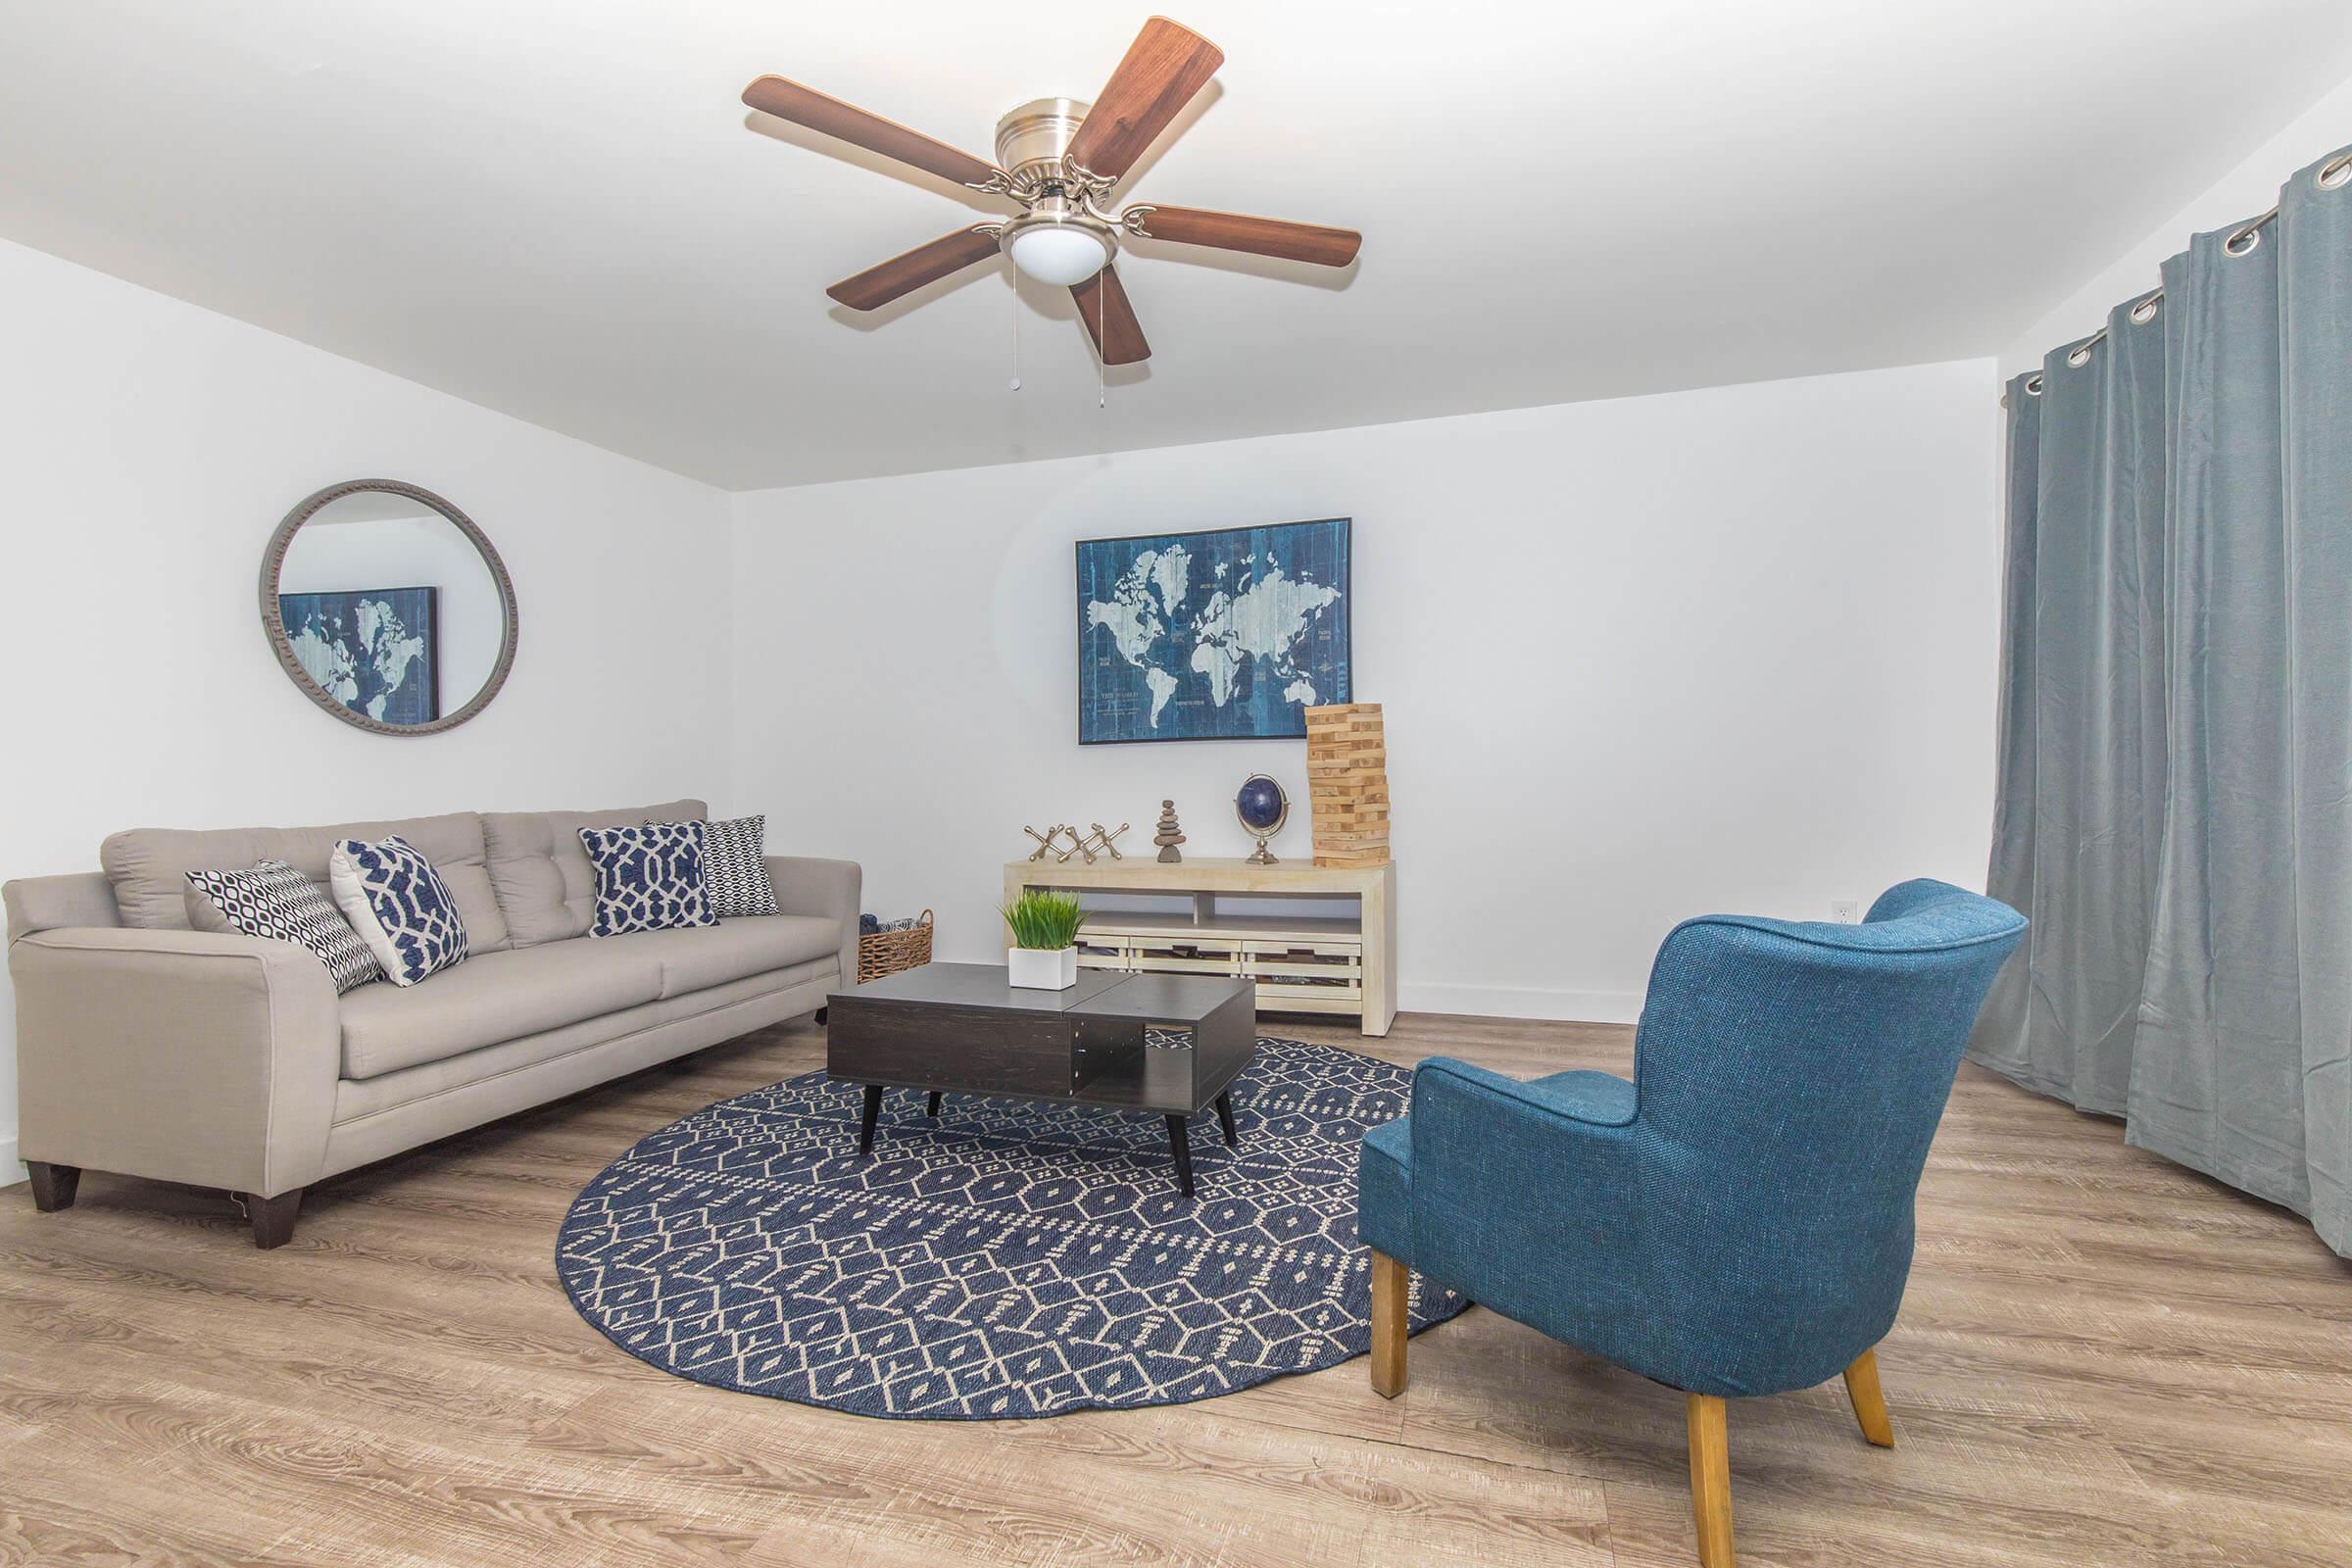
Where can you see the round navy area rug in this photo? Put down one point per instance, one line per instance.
(1011, 1260)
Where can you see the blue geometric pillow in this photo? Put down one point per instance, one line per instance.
(648, 878)
(399, 905)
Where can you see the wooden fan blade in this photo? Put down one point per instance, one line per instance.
(926, 263)
(806, 106)
(1164, 67)
(1110, 319)
(1260, 236)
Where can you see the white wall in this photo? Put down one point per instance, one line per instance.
(1731, 649)
(150, 447)
(2252, 188)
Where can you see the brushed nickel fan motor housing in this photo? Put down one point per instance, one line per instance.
(1031, 143)
(1031, 140)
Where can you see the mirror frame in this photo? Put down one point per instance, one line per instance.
(274, 561)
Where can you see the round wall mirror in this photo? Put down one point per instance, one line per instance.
(388, 608)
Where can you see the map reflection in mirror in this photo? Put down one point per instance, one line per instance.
(392, 611)
(1227, 634)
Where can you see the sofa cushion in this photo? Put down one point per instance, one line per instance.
(598, 1049)
(545, 886)
(735, 866)
(648, 878)
(273, 900)
(399, 905)
(148, 867)
(711, 956)
(492, 998)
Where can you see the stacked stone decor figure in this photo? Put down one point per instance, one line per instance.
(1348, 784)
(1168, 836)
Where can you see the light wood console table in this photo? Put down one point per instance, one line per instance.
(1327, 964)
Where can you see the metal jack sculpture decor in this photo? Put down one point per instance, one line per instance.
(1048, 842)
(1091, 847)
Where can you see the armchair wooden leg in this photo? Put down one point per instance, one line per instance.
(1388, 1326)
(53, 1186)
(274, 1217)
(1711, 1480)
(1870, 1403)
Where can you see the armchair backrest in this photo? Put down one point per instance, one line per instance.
(1790, 1079)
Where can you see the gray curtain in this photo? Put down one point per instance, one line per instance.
(2175, 796)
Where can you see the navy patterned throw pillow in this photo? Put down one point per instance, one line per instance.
(273, 900)
(399, 905)
(735, 869)
(649, 878)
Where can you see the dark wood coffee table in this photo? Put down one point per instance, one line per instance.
(959, 1028)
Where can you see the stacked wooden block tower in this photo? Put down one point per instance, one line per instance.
(1348, 784)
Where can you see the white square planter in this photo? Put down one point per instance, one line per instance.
(1041, 968)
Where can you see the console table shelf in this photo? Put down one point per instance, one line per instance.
(1334, 964)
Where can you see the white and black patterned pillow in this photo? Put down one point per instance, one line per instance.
(273, 900)
(399, 905)
(735, 867)
(648, 878)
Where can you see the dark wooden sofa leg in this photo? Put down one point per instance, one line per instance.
(821, 1014)
(53, 1186)
(274, 1217)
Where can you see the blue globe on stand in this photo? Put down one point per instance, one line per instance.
(1263, 809)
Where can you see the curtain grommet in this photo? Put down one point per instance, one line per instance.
(2243, 242)
(2078, 356)
(2034, 385)
(2336, 174)
(2146, 311)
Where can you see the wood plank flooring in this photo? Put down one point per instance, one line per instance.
(2103, 1361)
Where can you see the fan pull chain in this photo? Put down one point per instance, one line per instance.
(1016, 344)
(1102, 346)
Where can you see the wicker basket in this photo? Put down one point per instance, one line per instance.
(881, 952)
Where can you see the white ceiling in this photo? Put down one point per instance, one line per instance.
(559, 209)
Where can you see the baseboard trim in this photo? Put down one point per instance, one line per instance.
(1512, 1002)
(12, 1169)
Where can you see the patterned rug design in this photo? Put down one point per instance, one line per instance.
(1010, 1260)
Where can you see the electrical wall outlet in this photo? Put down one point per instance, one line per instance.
(1847, 911)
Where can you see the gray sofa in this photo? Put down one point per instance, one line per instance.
(151, 1047)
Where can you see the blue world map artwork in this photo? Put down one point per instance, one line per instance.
(1223, 635)
(374, 651)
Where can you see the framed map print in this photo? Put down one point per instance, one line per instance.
(1225, 635)
(375, 651)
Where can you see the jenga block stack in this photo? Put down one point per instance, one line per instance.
(1348, 784)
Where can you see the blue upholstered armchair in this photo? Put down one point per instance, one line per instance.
(1735, 1221)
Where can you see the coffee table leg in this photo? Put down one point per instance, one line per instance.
(866, 1123)
(933, 1113)
(1225, 1115)
(1180, 1140)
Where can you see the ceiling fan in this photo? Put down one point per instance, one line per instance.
(1060, 158)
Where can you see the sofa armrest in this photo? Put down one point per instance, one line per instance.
(828, 888)
(193, 1056)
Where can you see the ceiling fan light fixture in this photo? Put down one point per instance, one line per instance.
(1057, 250)
(1059, 160)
